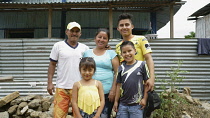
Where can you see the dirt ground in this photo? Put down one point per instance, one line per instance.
(193, 110)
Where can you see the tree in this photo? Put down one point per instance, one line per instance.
(192, 35)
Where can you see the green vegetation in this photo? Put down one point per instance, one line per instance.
(190, 36)
(170, 98)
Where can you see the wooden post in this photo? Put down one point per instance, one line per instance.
(9, 98)
(111, 22)
(171, 21)
(50, 23)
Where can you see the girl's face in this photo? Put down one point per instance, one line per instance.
(125, 27)
(101, 39)
(87, 73)
(128, 53)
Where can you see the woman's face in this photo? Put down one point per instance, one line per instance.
(101, 39)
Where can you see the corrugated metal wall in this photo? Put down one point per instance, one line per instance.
(30, 20)
(203, 27)
(166, 51)
(38, 1)
(27, 60)
(89, 20)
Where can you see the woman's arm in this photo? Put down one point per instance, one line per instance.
(75, 100)
(101, 95)
(117, 97)
(115, 65)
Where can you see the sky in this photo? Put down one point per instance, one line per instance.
(182, 26)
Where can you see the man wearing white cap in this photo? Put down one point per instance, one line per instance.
(66, 55)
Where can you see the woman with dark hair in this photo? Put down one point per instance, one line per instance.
(107, 64)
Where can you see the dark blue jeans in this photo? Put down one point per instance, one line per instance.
(107, 107)
(133, 111)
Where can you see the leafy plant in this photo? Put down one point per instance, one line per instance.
(190, 36)
(170, 98)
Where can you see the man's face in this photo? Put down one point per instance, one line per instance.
(73, 34)
(125, 27)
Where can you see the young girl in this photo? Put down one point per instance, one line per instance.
(131, 75)
(87, 94)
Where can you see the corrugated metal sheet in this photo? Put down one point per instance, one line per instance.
(200, 28)
(27, 60)
(207, 26)
(145, 7)
(203, 27)
(33, 1)
(79, 1)
(89, 20)
(1, 33)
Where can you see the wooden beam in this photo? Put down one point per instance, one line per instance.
(111, 22)
(74, 9)
(9, 98)
(50, 23)
(171, 21)
(127, 4)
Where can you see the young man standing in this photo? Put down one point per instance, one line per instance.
(66, 56)
(142, 46)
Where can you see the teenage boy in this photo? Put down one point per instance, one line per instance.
(142, 46)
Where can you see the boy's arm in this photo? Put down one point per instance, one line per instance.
(101, 95)
(143, 101)
(150, 63)
(75, 100)
(117, 97)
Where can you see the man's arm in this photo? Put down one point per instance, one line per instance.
(150, 64)
(51, 71)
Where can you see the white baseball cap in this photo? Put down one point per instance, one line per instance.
(72, 25)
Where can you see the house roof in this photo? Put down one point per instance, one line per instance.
(80, 1)
(140, 4)
(160, 7)
(201, 12)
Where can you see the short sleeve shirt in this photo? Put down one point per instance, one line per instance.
(104, 70)
(67, 59)
(131, 77)
(141, 45)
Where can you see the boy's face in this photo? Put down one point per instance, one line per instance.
(125, 27)
(128, 53)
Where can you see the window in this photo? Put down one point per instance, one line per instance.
(19, 33)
